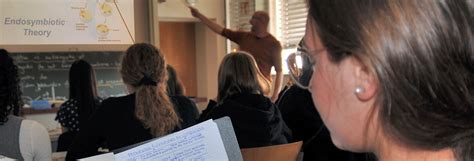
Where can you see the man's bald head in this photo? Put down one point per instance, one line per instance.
(259, 22)
(262, 16)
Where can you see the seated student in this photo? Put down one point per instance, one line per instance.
(82, 102)
(256, 120)
(174, 85)
(187, 109)
(19, 139)
(146, 113)
(394, 77)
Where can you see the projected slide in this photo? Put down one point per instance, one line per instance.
(31, 22)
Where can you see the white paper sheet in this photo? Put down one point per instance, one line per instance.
(198, 143)
(102, 157)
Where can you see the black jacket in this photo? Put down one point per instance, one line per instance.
(114, 125)
(186, 109)
(256, 120)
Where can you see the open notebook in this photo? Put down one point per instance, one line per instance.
(210, 140)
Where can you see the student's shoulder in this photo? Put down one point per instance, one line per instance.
(113, 102)
(69, 103)
(182, 102)
(119, 99)
(177, 99)
(33, 126)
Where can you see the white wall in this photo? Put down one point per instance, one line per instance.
(176, 9)
(210, 47)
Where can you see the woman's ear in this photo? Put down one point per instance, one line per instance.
(366, 84)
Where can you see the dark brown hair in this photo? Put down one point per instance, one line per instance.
(174, 85)
(83, 88)
(10, 93)
(422, 52)
(152, 107)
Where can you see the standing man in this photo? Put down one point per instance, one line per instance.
(262, 45)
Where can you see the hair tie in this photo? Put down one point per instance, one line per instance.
(147, 80)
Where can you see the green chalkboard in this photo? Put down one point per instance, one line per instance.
(44, 74)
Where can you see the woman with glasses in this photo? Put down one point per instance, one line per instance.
(256, 120)
(299, 113)
(392, 77)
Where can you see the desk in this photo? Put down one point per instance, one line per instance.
(31, 111)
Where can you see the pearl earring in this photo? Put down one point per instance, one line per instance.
(359, 90)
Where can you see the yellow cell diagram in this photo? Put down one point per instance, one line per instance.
(85, 15)
(99, 13)
(102, 29)
(105, 9)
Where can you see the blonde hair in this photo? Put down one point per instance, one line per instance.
(152, 106)
(238, 73)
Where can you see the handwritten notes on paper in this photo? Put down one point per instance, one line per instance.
(200, 142)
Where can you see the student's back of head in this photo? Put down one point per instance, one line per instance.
(83, 88)
(174, 85)
(144, 69)
(256, 120)
(82, 103)
(238, 73)
(10, 94)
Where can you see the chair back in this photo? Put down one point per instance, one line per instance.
(283, 152)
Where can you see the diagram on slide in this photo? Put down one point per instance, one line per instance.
(67, 22)
(100, 17)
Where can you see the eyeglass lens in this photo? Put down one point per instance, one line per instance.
(300, 66)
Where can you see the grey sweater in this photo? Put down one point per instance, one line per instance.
(10, 138)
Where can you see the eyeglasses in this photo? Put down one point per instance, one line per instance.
(300, 65)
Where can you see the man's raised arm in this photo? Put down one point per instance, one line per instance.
(211, 24)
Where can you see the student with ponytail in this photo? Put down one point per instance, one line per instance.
(146, 113)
